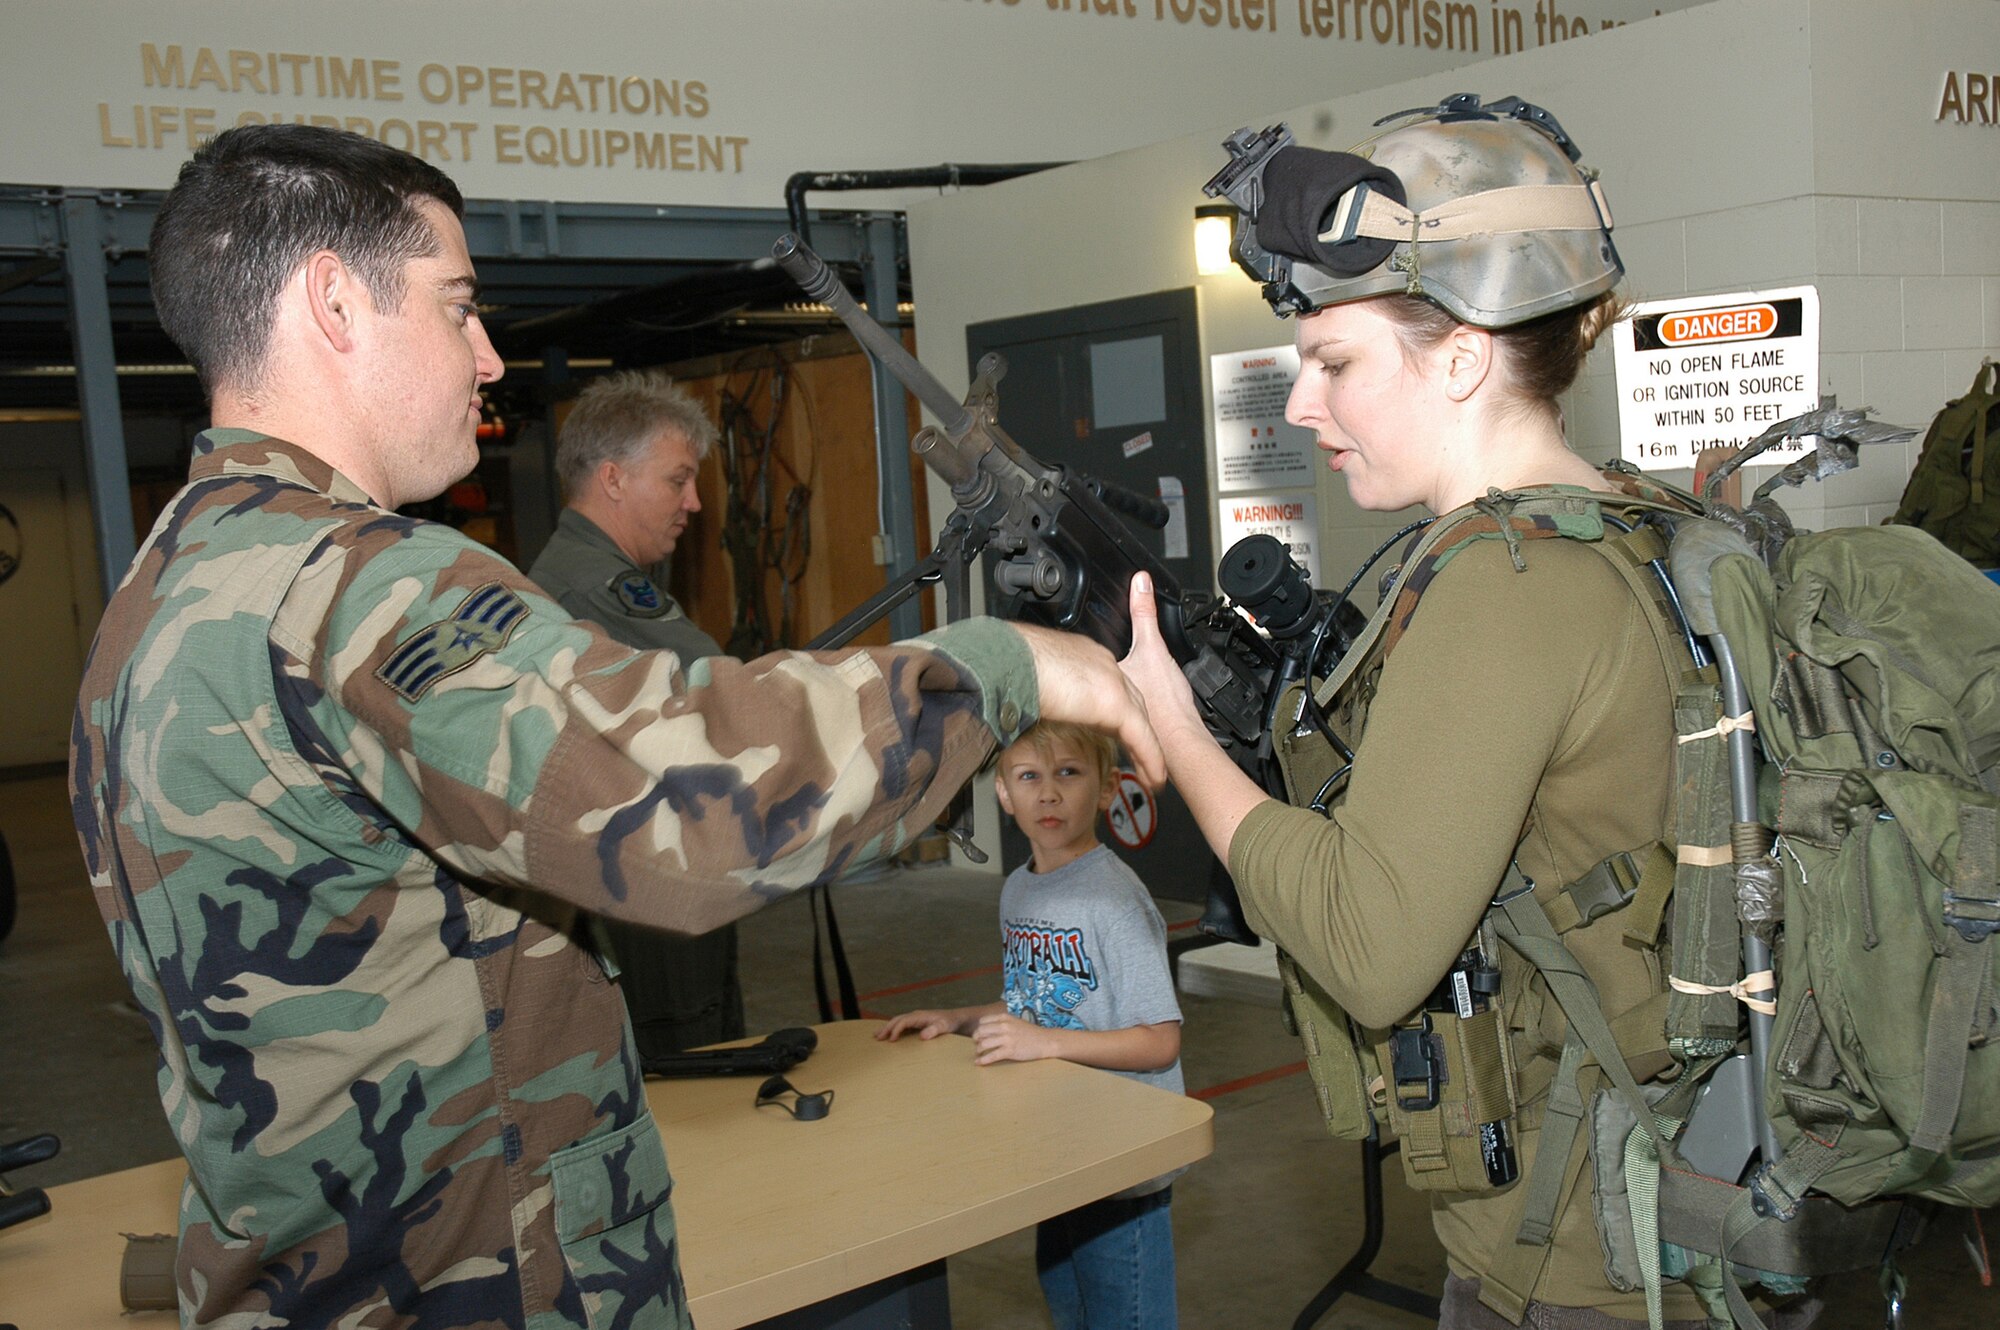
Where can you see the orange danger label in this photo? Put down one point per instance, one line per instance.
(1718, 325)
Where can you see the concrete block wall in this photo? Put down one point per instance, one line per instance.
(1896, 223)
(1909, 308)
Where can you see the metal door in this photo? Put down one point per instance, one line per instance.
(1114, 390)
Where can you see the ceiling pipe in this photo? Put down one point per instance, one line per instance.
(907, 177)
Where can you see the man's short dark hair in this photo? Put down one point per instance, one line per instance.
(252, 204)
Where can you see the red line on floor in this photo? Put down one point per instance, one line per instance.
(929, 983)
(1245, 1082)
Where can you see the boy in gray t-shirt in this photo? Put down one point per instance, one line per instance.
(1086, 979)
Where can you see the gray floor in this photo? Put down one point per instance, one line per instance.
(1258, 1227)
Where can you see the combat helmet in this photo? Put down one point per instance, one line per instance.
(1482, 209)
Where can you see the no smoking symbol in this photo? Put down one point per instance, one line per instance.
(1133, 815)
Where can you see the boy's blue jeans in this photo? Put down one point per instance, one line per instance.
(1109, 1265)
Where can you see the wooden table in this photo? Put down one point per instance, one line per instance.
(923, 1155)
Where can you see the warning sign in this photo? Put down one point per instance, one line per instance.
(1254, 446)
(1291, 518)
(1133, 815)
(1715, 372)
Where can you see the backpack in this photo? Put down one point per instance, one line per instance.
(1834, 886)
(1870, 658)
(1954, 489)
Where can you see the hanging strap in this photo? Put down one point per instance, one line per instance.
(1947, 1041)
(1642, 1177)
(1517, 1267)
(1642, 1198)
(850, 1005)
(1649, 903)
(1524, 926)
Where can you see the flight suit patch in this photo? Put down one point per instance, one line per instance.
(481, 625)
(638, 594)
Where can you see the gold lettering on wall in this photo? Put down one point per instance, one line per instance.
(261, 82)
(1432, 25)
(1969, 98)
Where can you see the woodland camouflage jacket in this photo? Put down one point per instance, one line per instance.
(321, 753)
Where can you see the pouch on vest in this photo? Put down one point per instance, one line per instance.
(1333, 1056)
(1333, 1042)
(1449, 1089)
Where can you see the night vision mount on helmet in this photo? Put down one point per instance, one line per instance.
(1482, 209)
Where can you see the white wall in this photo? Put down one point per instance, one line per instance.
(1744, 144)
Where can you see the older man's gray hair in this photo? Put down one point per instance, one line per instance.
(617, 418)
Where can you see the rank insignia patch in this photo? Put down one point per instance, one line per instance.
(640, 597)
(482, 624)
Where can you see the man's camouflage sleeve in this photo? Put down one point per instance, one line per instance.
(520, 745)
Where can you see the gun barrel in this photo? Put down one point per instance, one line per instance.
(818, 281)
(937, 452)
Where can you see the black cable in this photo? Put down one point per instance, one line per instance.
(1308, 704)
(1659, 570)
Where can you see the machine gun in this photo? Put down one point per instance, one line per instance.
(1066, 554)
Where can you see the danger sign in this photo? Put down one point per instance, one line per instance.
(1715, 372)
(1133, 815)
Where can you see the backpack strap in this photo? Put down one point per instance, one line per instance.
(1508, 1283)
(1591, 1049)
(1622, 880)
(1513, 516)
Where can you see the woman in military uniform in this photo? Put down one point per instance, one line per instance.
(1518, 709)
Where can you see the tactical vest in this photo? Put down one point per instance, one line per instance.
(1871, 661)
(1448, 1080)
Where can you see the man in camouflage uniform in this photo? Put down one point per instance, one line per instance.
(631, 448)
(341, 777)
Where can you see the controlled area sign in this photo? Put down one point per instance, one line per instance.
(1715, 372)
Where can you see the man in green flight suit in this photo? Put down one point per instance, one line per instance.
(630, 450)
(342, 779)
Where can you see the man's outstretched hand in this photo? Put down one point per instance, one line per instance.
(1080, 682)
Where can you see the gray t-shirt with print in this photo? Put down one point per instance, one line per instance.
(1084, 948)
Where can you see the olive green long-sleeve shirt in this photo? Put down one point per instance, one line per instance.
(1523, 716)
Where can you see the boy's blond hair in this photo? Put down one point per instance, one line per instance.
(1095, 747)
